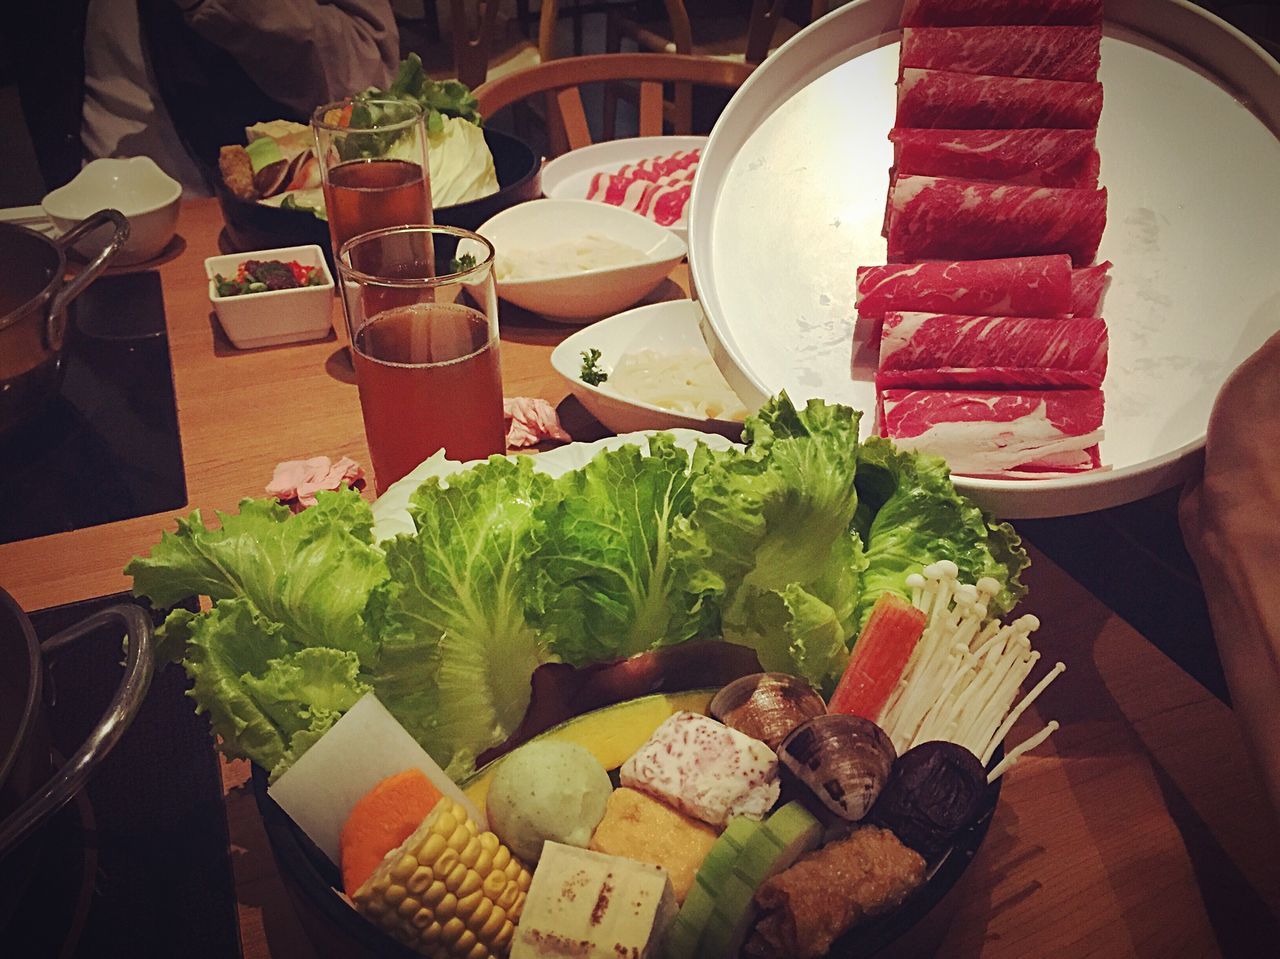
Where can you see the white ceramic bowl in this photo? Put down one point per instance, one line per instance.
(586, 295)
(669, 327)
(273, 317)
(137, 188)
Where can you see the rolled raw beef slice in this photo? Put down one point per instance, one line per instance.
(933, 351)
(1033, 157)
(937, 218)
(983, 433)
(961, 101)
(955, 13)
(1087, 286)
(1021, 286)
(1050, 53)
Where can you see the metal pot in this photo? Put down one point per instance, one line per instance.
(31, 790)
(33, 309)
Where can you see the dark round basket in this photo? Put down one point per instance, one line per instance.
(339, 932)
(254, 226)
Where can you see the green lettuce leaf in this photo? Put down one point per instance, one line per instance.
(915, 517)
(311, 573)
(610, 581)
(457, 650)
(770, 537)
(267, 703)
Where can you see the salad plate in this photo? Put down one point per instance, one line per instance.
(801, 152)
(569, 176)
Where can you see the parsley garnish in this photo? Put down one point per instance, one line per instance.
(591, 373)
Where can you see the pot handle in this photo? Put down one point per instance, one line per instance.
(67, 781)
(56, 326)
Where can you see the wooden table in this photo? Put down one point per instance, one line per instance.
(1138, 829)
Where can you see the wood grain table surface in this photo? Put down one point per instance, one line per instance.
(1138, 829)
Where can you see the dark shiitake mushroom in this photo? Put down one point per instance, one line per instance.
(767, 706)
(935, 790)
(845, 761)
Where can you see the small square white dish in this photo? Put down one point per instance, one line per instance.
(273, 317)
(579, 296)
(671, 327)
(139, 189)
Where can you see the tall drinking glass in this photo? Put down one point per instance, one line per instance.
(373, 159)
(424, 342)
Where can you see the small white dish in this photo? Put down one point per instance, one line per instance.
(273, 317)
(568, 176)
(586, 295)
(670, 327)
(137, 188)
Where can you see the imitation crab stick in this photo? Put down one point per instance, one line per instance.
(384, 818)
(879, 657)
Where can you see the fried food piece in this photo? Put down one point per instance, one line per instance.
(237, 172)
(804, 909)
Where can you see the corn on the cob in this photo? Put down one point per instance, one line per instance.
(449, 891)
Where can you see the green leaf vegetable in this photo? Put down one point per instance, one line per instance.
(457, 648)
(782, 545)
(592, 373)
(438, 98)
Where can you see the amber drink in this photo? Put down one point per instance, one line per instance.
(424, 336)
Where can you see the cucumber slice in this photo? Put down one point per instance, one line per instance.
(782, 839)
(686, 930)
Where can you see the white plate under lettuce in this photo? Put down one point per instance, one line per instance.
(391, 510)
(790, 195)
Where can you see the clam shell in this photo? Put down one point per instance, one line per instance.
(844, 760)
(767, 706)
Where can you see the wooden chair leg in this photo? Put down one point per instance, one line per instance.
(612, 44)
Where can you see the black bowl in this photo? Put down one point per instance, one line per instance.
(254, 226)
(339, 932)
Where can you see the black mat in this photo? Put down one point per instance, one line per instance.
(106, 447)
(155, 823)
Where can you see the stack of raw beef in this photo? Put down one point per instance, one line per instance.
(992, 353)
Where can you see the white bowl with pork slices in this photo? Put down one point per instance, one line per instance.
(652, 176)
(574, 261)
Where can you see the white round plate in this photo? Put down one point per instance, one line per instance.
(790, 198)
(668, 327)
(391, 510)
(568, 176)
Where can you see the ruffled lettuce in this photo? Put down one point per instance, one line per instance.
(912, 515)
(457, 649)
(771, 534)
(610, 580)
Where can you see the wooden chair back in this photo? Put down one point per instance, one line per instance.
(562, 80)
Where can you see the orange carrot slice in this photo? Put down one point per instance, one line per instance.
(383, 818)
(879, 656)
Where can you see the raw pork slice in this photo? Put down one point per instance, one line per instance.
(962, 101)
(982, 433)
(1035, 157)
(991, 352)
(955, 13)
(1023, 286)
(1087, 287)
(1051, 53)
(936, 218)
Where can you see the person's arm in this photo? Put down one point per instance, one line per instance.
(303, 53)
(1231, 522)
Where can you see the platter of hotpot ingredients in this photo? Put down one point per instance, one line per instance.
(660, 696)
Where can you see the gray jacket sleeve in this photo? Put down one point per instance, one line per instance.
(303, 53)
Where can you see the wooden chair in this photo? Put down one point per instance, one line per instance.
(561, 82)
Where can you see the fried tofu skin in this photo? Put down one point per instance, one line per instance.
(237, 172)
(804, 909)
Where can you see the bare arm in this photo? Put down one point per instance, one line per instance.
(1231, 521)
(303, 53)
